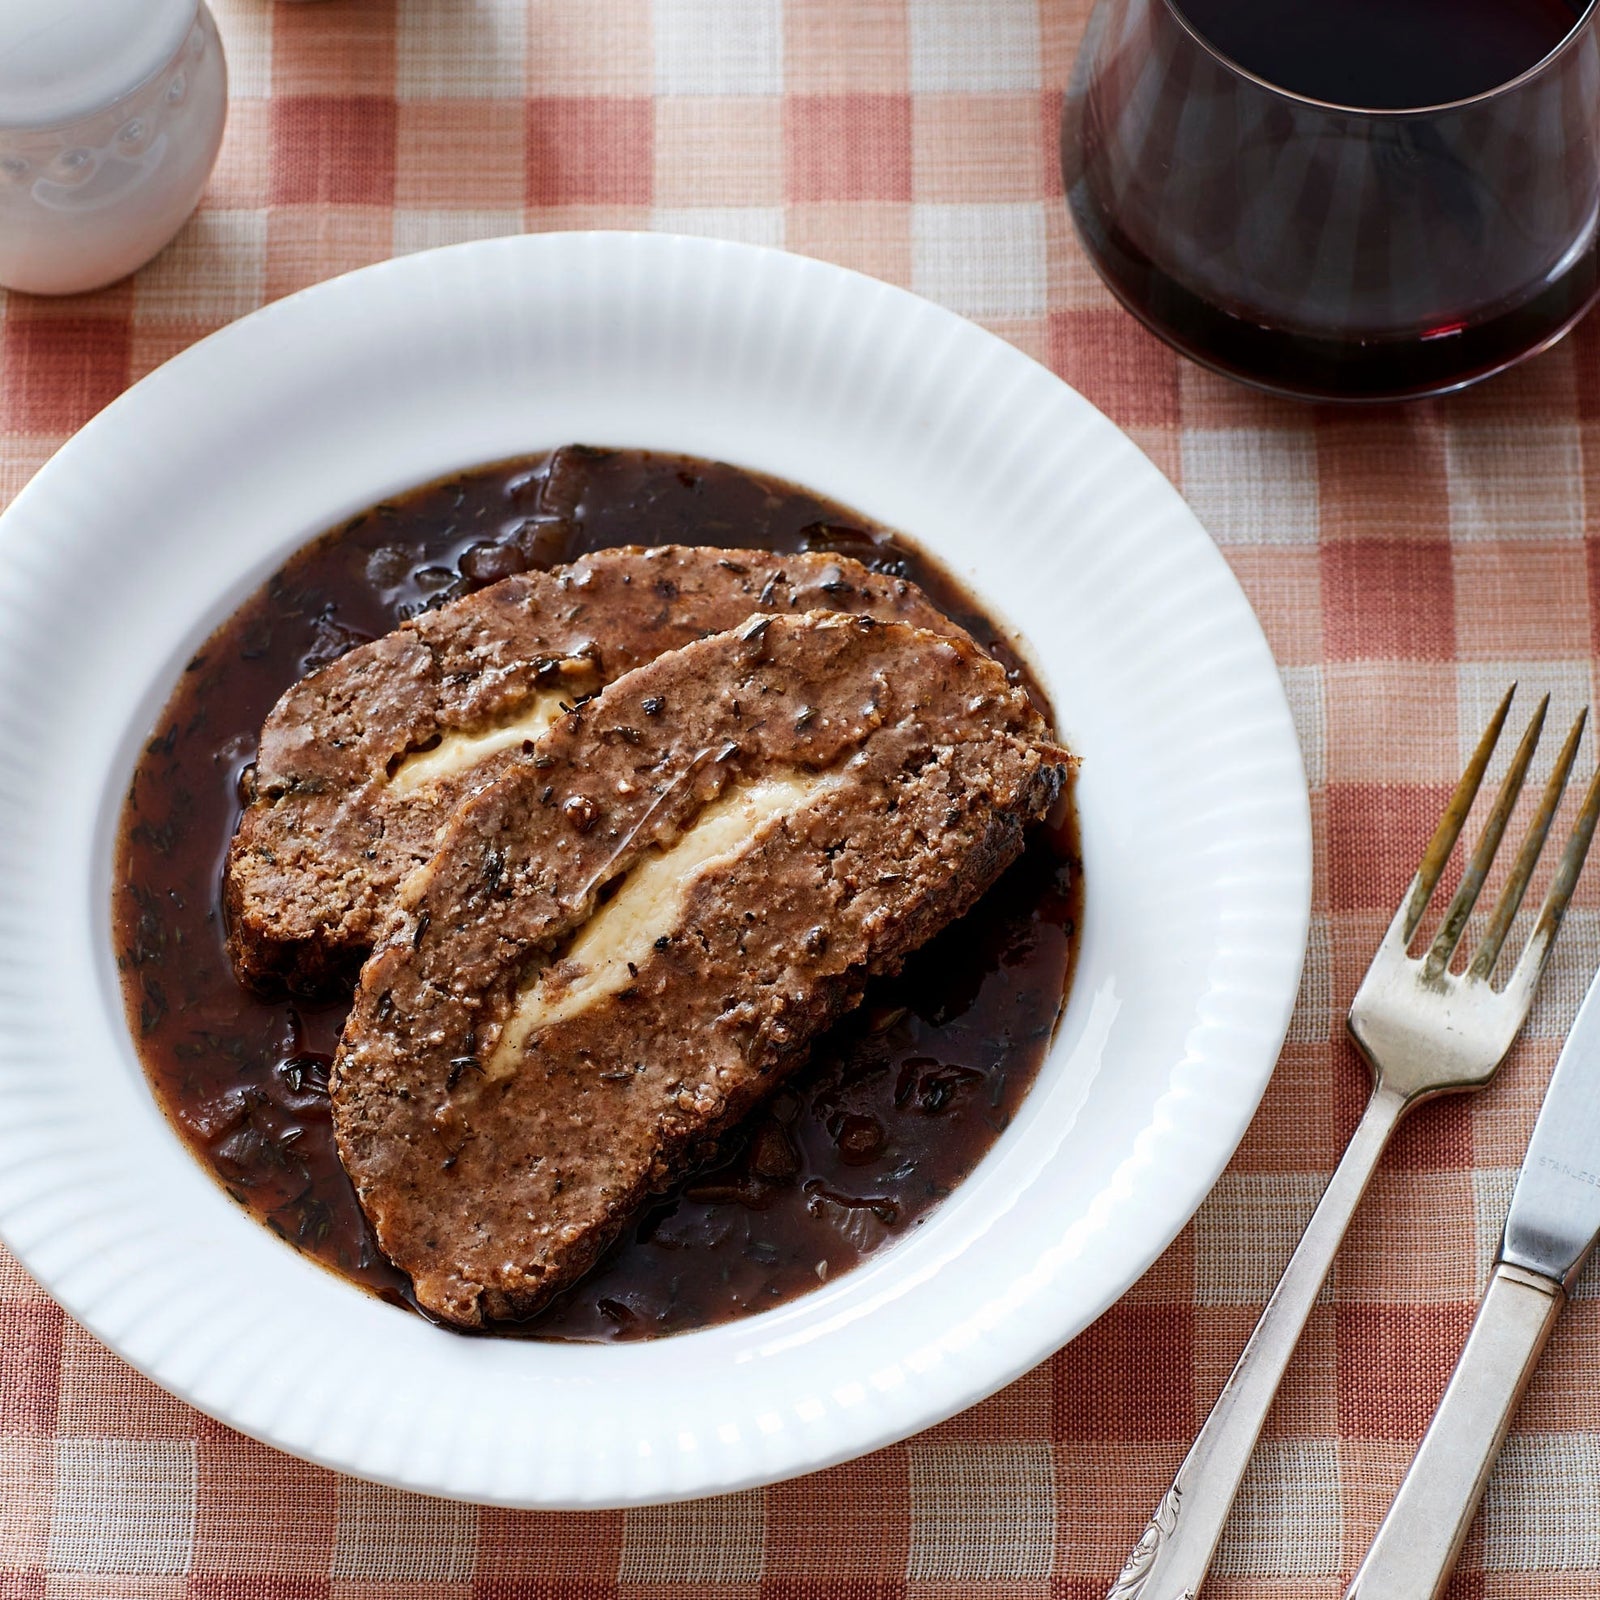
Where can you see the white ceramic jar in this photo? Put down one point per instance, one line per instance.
(111, 115)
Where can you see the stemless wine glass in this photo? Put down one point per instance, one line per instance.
(1330, 251)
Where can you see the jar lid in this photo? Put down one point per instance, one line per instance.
(63, 59)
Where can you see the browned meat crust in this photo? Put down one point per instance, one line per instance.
(320, 849)
(495, 1179)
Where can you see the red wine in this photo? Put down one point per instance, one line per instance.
(1383, 54)
(1315, 365)
(1321, 250)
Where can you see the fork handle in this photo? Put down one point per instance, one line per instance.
(1419, 1540)
(1170, 1561)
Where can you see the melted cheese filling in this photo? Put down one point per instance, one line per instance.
(619, 937)
(464, 748)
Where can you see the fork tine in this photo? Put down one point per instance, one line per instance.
(1530, 964)
(1449, 830)
(1510, 901)
(1471, 885)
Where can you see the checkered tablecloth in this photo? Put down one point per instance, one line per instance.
(1405, 564)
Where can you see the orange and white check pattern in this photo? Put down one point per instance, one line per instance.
(1406, 564)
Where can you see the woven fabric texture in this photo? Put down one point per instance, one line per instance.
(1406, 565)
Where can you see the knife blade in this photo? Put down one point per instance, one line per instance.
(1554, 1218)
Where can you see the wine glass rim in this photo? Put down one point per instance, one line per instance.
(1579, 23)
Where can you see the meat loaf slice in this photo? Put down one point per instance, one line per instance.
(631, 937)
(361, 761)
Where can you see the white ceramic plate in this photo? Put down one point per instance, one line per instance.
(150, 525)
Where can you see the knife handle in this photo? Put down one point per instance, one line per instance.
(1418, 1541)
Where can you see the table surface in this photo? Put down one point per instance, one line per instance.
(1406, 564)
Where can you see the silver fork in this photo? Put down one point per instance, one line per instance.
(1424, 1031)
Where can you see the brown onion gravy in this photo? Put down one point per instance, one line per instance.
(897, 1103)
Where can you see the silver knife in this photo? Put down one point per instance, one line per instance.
(1550, 1230)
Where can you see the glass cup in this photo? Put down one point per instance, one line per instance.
(1327, 251)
